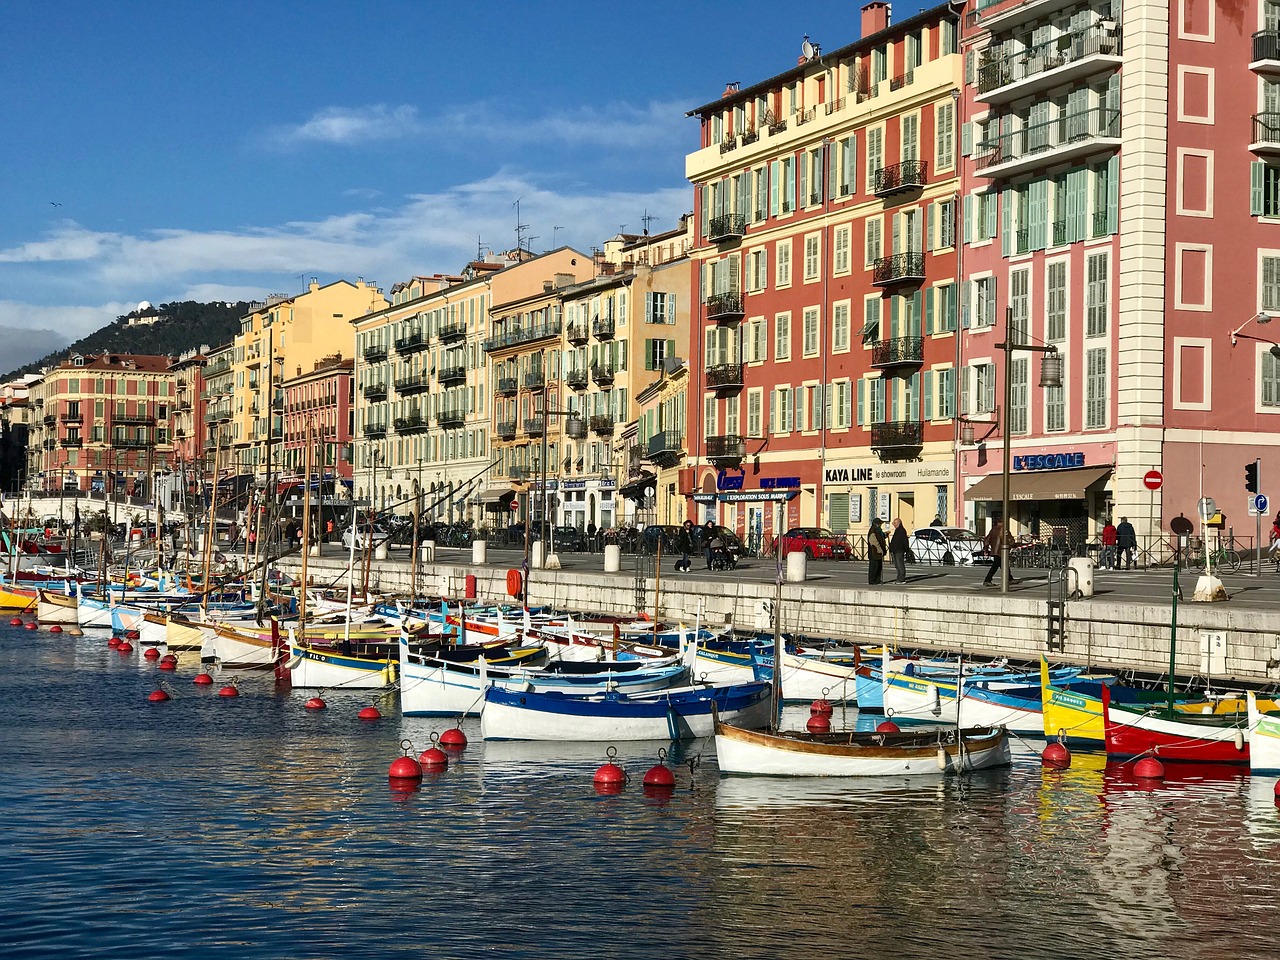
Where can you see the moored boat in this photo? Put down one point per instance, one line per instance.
(57, 608)
(1264, 739)
(1172, 737)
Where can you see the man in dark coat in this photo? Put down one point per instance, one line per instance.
(1126, 543)
(877, 547)
(898, 547)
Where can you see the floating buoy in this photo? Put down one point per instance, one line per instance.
(887, 726)
(15, 622)
(229, 691)
(202, 680)
(609, 777)
(659, 777)
(169, 658)
(1278, 793)
(113, 642)
(1056, 755)
(818, 724)
(151, 653)
(821, 708)
(32, 625)
(125, 647)
(157, 696)
(55, 629)
(1149, 768)
(404, 768)
(315, 703)
(453, 739)
(433, 759)
(131, 634)
(167, 664)
(369, 713)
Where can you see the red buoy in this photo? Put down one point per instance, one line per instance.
(370, 713)
(887, 726)
(32, 625)
(821, 708)
(125, 647)
(157, 696)
(113, 643)
(1149, 768)
(1278, 793)
(55, 629)
(818, 724)
(151, 653)
(169, 658)
(167, 664)
(202, 680)
(229, 691)
(404, 768)
(660, 777)
(609, 778)
(1056, 755)
(433, 759)
(131, 634)
(315, 703)
(15, 622)
(453, 739)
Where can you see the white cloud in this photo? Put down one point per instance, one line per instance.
(348, 126)
(69, 322)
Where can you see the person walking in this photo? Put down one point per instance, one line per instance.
(877, 547)
(992, 544)
(708, 534)
(898, 547)
(1126, 543)
(591, 537)
(1110, 535)
(685, 544)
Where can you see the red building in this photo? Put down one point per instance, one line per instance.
(323, 399)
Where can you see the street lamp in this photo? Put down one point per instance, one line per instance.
(1050, 376)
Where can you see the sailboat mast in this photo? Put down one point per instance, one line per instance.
(211, 528)
(306, 529)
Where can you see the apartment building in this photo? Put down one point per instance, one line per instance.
(15, 424)
(186, 416)
(319, 403)
(825, 274)
(219, 377)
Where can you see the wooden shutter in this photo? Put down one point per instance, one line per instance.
(1006, 224)
(928, 311)
(1113, 194)
(1257, 173)
(926, 401)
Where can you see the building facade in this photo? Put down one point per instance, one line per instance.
(319, 403)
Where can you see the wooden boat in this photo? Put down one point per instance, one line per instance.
(1132, 732)
(1264, 740)
(932, 752)
(57, 608)
(14, 597)
(676, 714)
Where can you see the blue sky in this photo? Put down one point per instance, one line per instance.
(209, 151)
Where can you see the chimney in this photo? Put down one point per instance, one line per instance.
(548, 286)
(730, 89)
(875, 17)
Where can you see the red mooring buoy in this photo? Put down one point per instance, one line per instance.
(202, 680)
(887, 726)
(113, 643)
(453, 739)
(229, 691)
(821, 708)
(167, 664)
(1149, 768)
(32, 625)
(818, 724)
(125, 647)
(151, 653)
(15, 622)
(369, 713)
(1056, 755)
(404, 768)
(433, 758)
(157, 696)
(55, 629)
(1278, 793)
(659, 777)
(609, 778)
(315, 703)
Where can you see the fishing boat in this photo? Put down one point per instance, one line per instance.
(1264, 739)
(677, 714)
(931, 752)
(57, 608)
(1131, 731)
(17, 597)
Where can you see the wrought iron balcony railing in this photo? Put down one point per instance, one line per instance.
(725, 307)
(727, 226)
(508, 386)
(602, 328)
(897, 352)
(727, 450)
(898, 268)
(411, 344)
(408, 386)
(898, 177)
(451, 417)
(1047, 140)
(725, 376)
(1006, 64)
(577, 378)
(375, 353)
(897, 437)
(602, 424)
(375, 391)
(414, 423)
(602, 373)
(451, 332)
(453, 374)
(665, 448)
(505, 429)
(523, 334)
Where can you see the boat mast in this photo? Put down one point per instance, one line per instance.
(1173, 631)
(777, 650)
(306, 529)
(211, 528)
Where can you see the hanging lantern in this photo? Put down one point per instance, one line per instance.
(1051, 370)
(966, 434)
(575, 428)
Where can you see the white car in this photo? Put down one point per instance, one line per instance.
(379, 534)
(947, 545)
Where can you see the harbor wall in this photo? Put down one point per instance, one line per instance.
(1118, 636)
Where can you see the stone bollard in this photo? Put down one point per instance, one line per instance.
(479, 552)
(612, 558)
(315, 549)
(380, 551)
(427, 552)
(538, 554)
(797, 566)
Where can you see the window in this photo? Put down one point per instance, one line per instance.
(910, 136)
(1096, 295)
(784, 264)
(1270, 283)
(984, 302)
(840, 405)
(1264, 194)
(1055, 408)
(1095, 405)
(1018, 395)
(946, 224)
(875, 240)
(940, 497)
(875, 153)
(946, 394)
(1055, 310)
(656, 351)
(754, 405)
(757, 341)
(840, 327)
(811, 178)
(1269, 375)
(782, 410)
(731, 416)
(871, 328)
(812, 255)
(984, 208)
(877, 399)
(1019, 284)
(660, 308)
(947, 307)
(782, 337)
(757, 270)
(844, 170)
(985, 387)
(810, 322)
(840, 242)
(710, 422)
(944, 135)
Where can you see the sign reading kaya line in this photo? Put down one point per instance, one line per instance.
(878, 474)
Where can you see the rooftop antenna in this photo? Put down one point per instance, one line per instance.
(646, 220)
(520, 228)
(553, 235)
(479, 248)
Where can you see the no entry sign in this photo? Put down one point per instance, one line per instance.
(1152, 479)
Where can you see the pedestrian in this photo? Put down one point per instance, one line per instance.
(708, 534)
(591, 536)
(993, 544)
(1127, 542)
(937, 521)
(898, 547)
(1110, 536)
(877, 547)
(684, 542)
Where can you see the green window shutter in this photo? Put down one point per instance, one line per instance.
(917, 309)
(893, 319)
(1113, 194)
(926, 402)
(967, 235)
(775, 187)
(913, 398)
(622, 354)
(992, 207)
(671, 348)
(966, 139)
(1006, 224)
(648, 354)
(1038, 214)
(804, 178)
(862, 402)
(928, 312)
(648, 307)
(1257, 174)
(928, 226)
(964, 303)
(1080, 229)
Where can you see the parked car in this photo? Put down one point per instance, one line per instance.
(818, 542)
(947, 545)
(669, 534)
(569, 538)
(364, 533)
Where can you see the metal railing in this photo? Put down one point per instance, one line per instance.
(578, 332)
(448, 332)
(525, 333)
(724, 306)
(1008, 64)
(907, 175)
(602, 423)
(1266, 128)
(898, 268)
(898, 434)
(411, 343)
(577, 378)
(1049, 135)
(727, 448)
(375, 353)
(413, 384)
(415, 423)
(374, 391)
(900, 81)
(452, 374)
(451, 417)
(602, 373)
(1266, 45)
(902, 350)
(602, 328)
(665, 445)
(727, 226)
(508, 386)
(535, 426)
(535, 380)
(375, 428)
(724, 375)
(505, 429)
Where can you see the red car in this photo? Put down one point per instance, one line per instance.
(818, 542)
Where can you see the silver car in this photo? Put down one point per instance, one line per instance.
(949, 545)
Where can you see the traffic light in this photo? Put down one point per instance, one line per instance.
(1251, 477)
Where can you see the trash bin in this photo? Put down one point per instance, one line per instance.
(1079, 577)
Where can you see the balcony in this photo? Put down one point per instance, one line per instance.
(217, 367)
(415, 423)
(535, 426)
(602, 373)
(725, 376)
(900, 81)
(375, 353)
(451, 332)
(453, 374)
(726, 227)
(1011, 73)
(505, 430)
(1059, 232)
(897, 268)
(577, 378)
(578, 332)
(50, 419)
(375, 428)
(184, 405)
(602, 328)
(72, 418)
(725, 307)
(450, 418)
(898, 440)
(411, 344)
(508, 386)
(217, 414)
(535, 380)
(902, 351)
(182, 386)
(900, 177)
(39, 401)
(408, 386)
(75, 442)
(726, 451)
(374, 391)
(1041, 145)
(1266, 52)
(602, 424)
(524, 334)
(665, 448)
(130, 443)
(1266, 134)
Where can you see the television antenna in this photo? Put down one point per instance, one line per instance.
(647, 219)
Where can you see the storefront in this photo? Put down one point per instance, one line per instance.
(856, 491)
(1054, 496)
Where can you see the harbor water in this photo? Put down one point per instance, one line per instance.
(252, 828)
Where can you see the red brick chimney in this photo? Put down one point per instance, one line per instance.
(875, 17)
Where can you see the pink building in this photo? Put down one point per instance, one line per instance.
(321, 398)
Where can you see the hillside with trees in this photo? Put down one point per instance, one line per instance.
(178, 327)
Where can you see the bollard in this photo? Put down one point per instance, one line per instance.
(380, 551)
(539, 554)
(612, 558)
(315, 550)
(479, 552)
(797, 566)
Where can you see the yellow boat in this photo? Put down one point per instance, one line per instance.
(16, 598)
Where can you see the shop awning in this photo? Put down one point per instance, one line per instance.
(1039, 485)
(636, 489)
(496, 498)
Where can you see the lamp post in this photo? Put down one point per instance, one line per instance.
(1050, 376)
(575, 428)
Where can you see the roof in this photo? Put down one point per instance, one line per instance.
(133, 363)
(1039, 484)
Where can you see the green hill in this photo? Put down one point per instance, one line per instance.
(179, 327)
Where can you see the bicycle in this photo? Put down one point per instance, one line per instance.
(1221, 558)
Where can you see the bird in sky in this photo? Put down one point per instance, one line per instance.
(54, 203)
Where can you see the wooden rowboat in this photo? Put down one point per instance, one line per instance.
(57, 608)
(931, 752)
(1185, 738)
(1264, 740)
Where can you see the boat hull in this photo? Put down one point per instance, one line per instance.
(1130, 735)
(1264, 740)
(311, 668)
(57, 608)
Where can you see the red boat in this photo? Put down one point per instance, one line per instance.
(1184, 738)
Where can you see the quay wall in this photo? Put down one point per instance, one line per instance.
(1114, 635)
